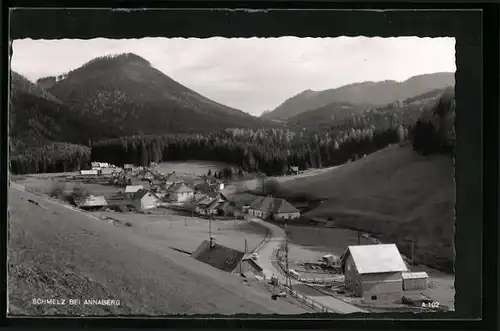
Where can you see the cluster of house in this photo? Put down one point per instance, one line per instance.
(379, 273)
(204, 198)
(101, 169)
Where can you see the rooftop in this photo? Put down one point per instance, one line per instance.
(414, 275)
(376, 258)
(141, 193)
(94, 201)
(133, 188)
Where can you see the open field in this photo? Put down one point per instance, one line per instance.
(197, 168)
(56, 252)
(395, 194)
(187, 233)
(182, 232)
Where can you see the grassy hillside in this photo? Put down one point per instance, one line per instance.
(127, 92)
(374, 93)
(55, 252)
(395, 193)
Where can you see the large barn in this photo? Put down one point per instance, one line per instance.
(374, 272)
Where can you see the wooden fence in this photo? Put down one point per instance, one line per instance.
(299, 297)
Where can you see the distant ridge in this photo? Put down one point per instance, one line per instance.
(374, 93)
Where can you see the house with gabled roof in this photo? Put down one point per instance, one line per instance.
(218, 256)
(261, 207)
(172, 178)
(273, 208)
(284, 210)
(180, 192)
(210, 203)
(131, 189)
(144, 200)
(374, 272)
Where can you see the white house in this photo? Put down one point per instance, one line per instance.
(130, 190)
(145, 199)
(374, 272)
(180, 192)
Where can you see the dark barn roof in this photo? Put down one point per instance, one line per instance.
(220, 257)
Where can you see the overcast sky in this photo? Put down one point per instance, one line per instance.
(251, 74)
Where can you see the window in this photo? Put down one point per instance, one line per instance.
(374, 297)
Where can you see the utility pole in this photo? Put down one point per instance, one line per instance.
(288, 280)
(411, 267)
(210, 229)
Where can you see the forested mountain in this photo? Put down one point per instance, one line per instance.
(271, 150)
(37, 117)
(374, 93)
(125, 91)
(336, 113)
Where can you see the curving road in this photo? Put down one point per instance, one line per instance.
(56, 252)
(266, 258)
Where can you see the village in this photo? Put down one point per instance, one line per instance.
(368, 275)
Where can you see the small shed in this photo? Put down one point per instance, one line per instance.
(128, 167)
(93, 203)
(415, 280)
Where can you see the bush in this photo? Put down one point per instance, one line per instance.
(57, 190)
(79, 194)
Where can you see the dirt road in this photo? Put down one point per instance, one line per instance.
(265, 261)
(58, 253)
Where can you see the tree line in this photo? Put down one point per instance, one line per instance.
(52, 157)
(268, 151)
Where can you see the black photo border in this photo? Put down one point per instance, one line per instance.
(474, 26)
